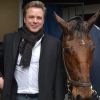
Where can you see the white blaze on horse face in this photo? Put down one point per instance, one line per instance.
(83, 42)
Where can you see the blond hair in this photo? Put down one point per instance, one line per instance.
(37, 4)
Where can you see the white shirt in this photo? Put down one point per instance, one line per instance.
(27, 78)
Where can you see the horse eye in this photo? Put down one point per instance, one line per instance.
(67, 49)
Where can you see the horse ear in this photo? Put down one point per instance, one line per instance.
(93, 19)
(61, 22)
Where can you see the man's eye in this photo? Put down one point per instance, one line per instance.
(39, 17)
(31, 16)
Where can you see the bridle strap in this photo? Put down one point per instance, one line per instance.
(69, 78)
(80, 84)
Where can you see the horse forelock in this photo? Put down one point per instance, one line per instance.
(76, 26)
(76, 23)
(77, 18)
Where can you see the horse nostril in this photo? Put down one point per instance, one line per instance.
(79, 97)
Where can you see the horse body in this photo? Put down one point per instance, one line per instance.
(78, 50)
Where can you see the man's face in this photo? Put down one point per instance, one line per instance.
(34, 19)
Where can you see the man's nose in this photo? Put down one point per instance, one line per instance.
(35, 20)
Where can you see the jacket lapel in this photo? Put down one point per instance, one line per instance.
(42, 65)
(16, 42)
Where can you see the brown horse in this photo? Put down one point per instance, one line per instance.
(78, 50)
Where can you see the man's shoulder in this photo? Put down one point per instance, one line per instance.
(52, 38)
(11, 35)
(51, 41)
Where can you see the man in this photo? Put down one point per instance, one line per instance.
(33, 66)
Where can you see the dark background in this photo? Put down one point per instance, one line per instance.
(68, 1)
(71, 3)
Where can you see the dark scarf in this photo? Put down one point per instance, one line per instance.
(28, 41)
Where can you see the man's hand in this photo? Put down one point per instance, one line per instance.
(1, 83)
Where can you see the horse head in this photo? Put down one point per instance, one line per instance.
(78, 48)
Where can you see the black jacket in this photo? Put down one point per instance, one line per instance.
(51, 72)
